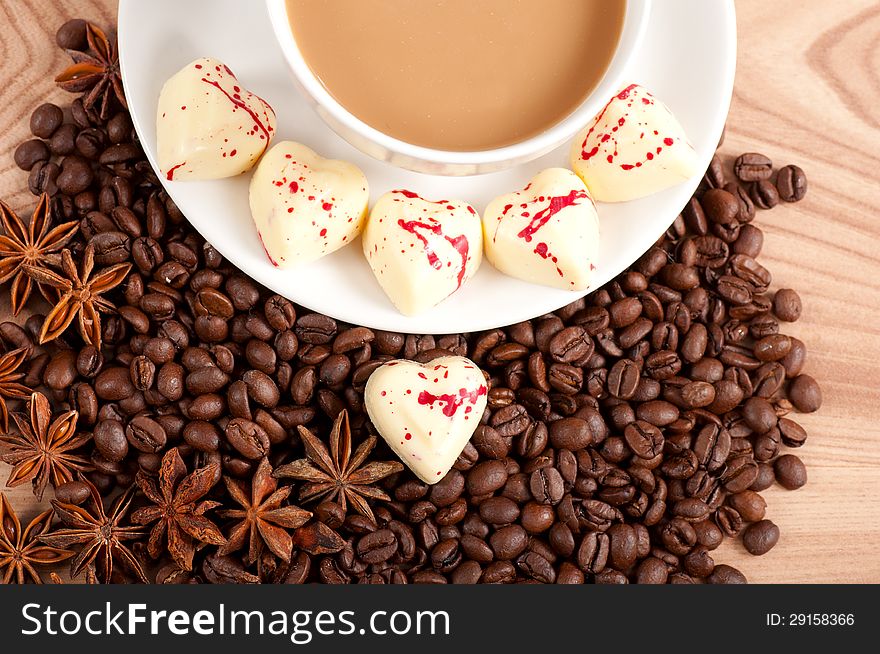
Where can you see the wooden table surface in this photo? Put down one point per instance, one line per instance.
(807, 92)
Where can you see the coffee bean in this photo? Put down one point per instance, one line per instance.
(499, 511)
(72, 35)
(110, 440)
(30, 153)
(764, 194)
(749, 505)
(759, 415)
(570, 345)
(725, 574)
(114, 384)
(45, 120)
(536, 518)
(546, 485)
(624, 312)
(753, 167)
(791, 473)
(72, 492)
(248, 438)
(509, 542)
(805, 394)
(510, 420)
(377, 546)
(644, 439)
(760, 537)
(652, 571)
(145, 435)
(720, 206)
(791, 183)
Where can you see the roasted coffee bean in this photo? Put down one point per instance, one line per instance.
(644, 439)
(113, 384)
(536, 518)
(261, 388)
(760, 537)
(720, 206)
(652, 571)
(749, 242)
(72, 35)
(791, 473)
(569, 345)
(248, 438)
(76, 175)
(749, 504)
(546, 485)
(764, 194)
(759, 415)
(791, 182)
(787, 305)
(570, 433)
(746, 206)
(145, 435)
(110, 440)
(202, 436)
(72, 492)
(486, 477)
(592, 554)
(753, 167)
(510, 420)
(142, 372)
(30, 153)
(509, 542)
(112, 247)
(623, 379)
(739, 474)
(377, 546)
(725, 574)
(805, 394)
(45, 120)
(793, 435)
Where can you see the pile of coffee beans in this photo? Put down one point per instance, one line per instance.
(626, 435)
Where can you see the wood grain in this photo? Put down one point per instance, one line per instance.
(807, 92)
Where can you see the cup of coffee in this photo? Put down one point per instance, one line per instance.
(458, 87)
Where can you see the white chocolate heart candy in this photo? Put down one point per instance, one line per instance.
(633, 148)
(427, 412)
(422, 251)
(547, 234)
(305, 206)
(208, 126)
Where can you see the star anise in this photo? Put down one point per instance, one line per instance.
(9, 384)
(80, 295)
(102, 537)
(32, 245)
(336, 474)
(91, 577)
(43, 453)
(21, 551)
(178, 509)
(95, 73)
(262, 521)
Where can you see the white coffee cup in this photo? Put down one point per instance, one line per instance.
(443, 162)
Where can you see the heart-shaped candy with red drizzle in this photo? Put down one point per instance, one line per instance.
(306, 206)
(208, 126)
(633, 148)
(547, 234)
(427, 412)
(422, 251)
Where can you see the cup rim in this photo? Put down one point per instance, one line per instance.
(632, 34)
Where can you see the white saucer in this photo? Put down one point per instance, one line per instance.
(687, 60)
